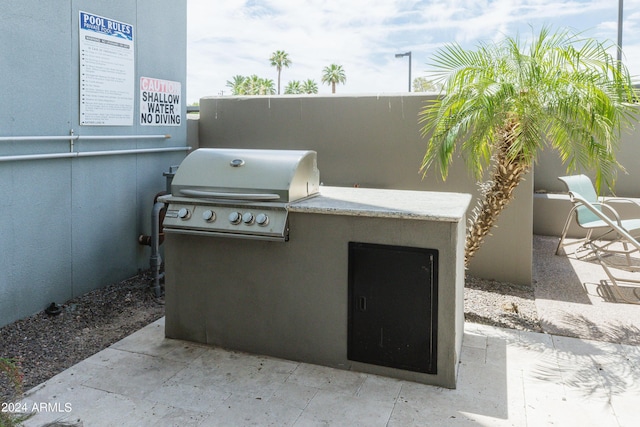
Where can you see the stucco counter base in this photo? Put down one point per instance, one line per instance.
(290, 300)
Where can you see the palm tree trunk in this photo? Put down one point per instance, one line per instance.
(279, 70)
(496, 194)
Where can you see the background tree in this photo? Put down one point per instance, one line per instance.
(266, 87)
(236, 84)
(252, 85)
(422, 84)
(293, 88)
(309, 86)
(259, 86)
(503, 102)
(280, 59)
(332, 75)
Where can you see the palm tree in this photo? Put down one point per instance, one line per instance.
(280, 59)
(309, 86)
(237, 84)
(254, 85)
(266, 87)
(293, 88)
(503, 102)
(332, 75)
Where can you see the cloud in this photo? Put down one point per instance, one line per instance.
(237, 37)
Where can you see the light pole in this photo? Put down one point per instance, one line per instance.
(620, 4)
(400, 55)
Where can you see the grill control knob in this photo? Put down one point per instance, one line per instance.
(184, 213)
(235, 217)
(209, 215)
(262, 219)
(247, 218)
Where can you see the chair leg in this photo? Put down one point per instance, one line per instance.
(565, 229)
(614, 280)
(627, 253)
(585, 244)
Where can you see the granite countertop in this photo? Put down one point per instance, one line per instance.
(418, 205)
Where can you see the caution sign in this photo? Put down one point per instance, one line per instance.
(160, 102)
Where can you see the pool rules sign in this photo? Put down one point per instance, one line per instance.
(159, 102)
(107, 79)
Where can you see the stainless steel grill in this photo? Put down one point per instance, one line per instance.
(239, 193)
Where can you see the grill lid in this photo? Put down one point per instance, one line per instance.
(239, 193)
(247, 174)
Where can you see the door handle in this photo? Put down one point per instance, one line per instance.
(362, 303)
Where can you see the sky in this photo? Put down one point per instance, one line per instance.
(237, 37)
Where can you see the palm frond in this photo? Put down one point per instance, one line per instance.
(562, 89)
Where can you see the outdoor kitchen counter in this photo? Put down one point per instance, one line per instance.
(297, 299)
(419, 205)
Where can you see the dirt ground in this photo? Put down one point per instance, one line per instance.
(45, 345)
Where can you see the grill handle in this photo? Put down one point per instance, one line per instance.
(231, 196)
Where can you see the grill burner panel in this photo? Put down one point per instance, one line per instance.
(265, 222)
(239, 193)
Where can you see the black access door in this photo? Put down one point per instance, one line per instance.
(393, 306)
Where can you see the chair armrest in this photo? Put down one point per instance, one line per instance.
(619, 200)
(576, 198)
(627, 208)
(612, 211)
(591, 206)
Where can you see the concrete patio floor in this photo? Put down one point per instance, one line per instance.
(573, 298)
(506, 378)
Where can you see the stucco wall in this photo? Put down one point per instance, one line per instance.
(552, 205)
(370, 141)
(549, 167)
(70, 225)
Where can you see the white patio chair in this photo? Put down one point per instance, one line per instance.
(620, 241)
(590, 212)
